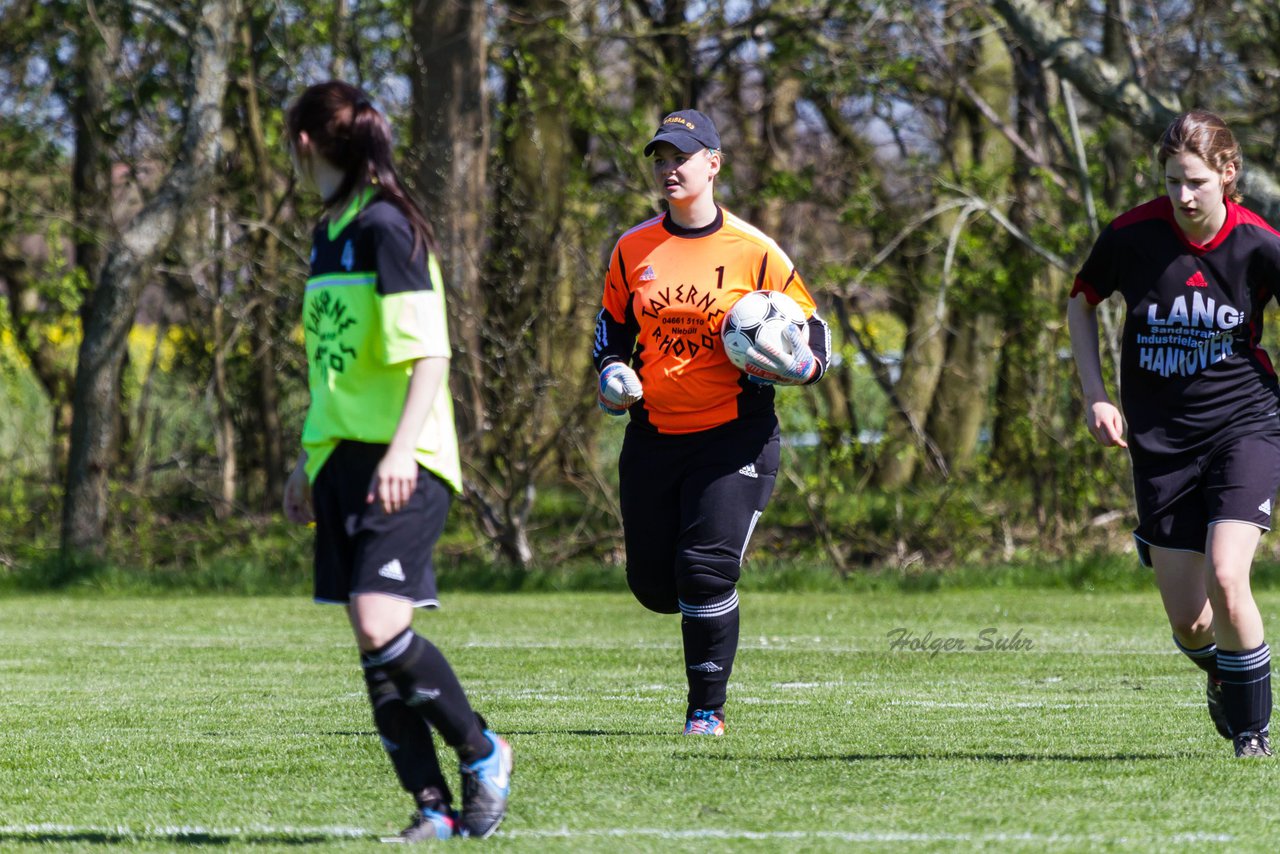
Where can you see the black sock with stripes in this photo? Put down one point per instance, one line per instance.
(1205, 657)
(710, 631)
(1246, 688)
(407, 739)
(428, 685)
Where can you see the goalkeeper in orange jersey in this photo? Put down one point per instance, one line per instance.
(700, 455)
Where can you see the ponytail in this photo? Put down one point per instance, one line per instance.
(349, 132)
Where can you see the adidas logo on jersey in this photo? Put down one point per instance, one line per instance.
(706, 667)
(1265, 507)
(648, 275)
(392, 570)
(749, 470)
(1197, 280)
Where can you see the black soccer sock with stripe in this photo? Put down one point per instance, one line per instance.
(710, 630)
(1246, 688)
(428, 685)
(1205, 657)
(407, 739)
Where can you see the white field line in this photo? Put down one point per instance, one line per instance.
(865, 836)
(163, 832)
(160, 831)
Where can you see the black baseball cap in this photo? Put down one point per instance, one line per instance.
(687, 130)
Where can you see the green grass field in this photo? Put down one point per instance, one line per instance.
(240, 723)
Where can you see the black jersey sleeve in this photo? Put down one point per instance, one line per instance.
(399, 267)
(820, 343)
(616, 325)
(1098, 278)
(615, 342)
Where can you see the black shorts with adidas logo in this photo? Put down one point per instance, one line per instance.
(362, 549)
(690, 501)
(1179, 498)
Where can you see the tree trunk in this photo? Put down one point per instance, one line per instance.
(1024, 406)
(962, 401)
(129, 258)
(922, 359)
(963, 397)
(264, 273)
(451, 119)
(224, 428)
(522, 273)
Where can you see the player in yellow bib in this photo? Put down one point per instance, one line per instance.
(380, 460)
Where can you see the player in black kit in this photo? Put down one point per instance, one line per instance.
(1200, 397)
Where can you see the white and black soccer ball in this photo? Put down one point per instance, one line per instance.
(760, 316)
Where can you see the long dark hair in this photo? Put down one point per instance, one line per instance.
(348, 131)
(1207, 136)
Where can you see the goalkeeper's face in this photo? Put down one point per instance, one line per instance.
(684, 176)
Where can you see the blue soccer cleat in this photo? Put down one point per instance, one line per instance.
(704, 722)
(428, 824)
(486, 784)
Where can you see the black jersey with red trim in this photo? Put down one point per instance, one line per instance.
(1192, 372)
(665, 294)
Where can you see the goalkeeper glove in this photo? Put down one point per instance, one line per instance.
(619, 388)
(769, 364)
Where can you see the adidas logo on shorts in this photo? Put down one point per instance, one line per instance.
(1265, 507)
(749, 470)
(392, 570)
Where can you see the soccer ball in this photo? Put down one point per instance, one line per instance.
(760, 316)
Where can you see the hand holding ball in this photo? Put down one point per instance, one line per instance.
(764, 337)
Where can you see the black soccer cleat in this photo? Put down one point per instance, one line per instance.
(428, 824)
(1217, 714)
(486, 785)
(1252, 744)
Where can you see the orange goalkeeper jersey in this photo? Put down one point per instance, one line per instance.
(665, 295)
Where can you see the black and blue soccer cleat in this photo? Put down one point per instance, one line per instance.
(486, 785)
(428, 824)
(704, 722)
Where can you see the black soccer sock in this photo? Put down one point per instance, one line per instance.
(427, 683)
(1205, 657)
(1246, 688)
(710, 631)
(407, 739)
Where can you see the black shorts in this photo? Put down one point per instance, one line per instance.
(693, 500)
(362, 549)
(1178, 500)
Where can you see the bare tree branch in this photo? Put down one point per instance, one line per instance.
(1113, 92)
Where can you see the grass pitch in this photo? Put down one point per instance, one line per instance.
(241, 723)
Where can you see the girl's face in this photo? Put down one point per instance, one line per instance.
(1196, 190)
(683, 177)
